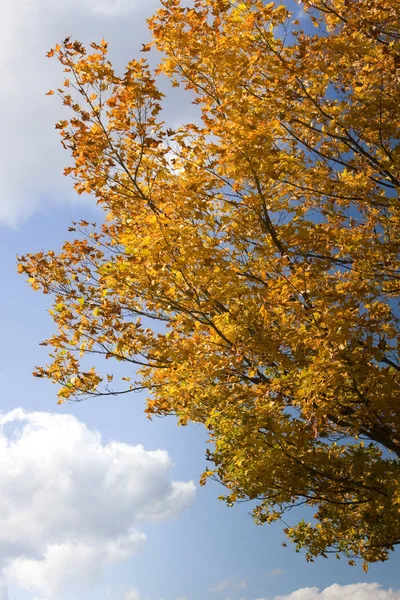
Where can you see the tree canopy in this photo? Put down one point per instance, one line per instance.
(247, 271)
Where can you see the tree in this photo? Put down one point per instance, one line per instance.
(247, 272)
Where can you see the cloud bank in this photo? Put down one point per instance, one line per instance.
(355, 591)
(31, 158)
(71, 504)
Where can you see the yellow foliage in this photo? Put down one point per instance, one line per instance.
(265, 241)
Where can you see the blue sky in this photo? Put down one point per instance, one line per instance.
(84, 511)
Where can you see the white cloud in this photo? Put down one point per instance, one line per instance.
(131, 594)
(31, 159)
(71, 504)
(355, 591)
(230, 583)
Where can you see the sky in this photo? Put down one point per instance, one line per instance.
(96, 501)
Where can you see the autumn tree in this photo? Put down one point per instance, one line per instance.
(247, 271)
